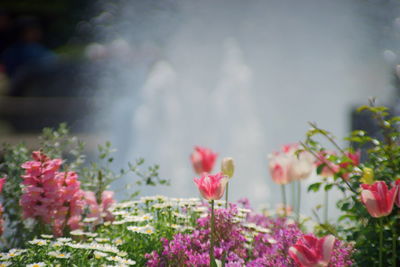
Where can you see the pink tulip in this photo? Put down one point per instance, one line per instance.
(211, 187)
(310, 251)
(286, 166)
(203, 160)
(378, 199)
(397, 199)
(279, 165)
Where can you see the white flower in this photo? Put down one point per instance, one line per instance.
(98, 254)
(90, 220)
(39, 242)
(148, 230)
(121, 260)
(64, 239)
(47, 236)
(77, 232)
(37, 264)
(59, 255)
(5, 263)
(118, 241)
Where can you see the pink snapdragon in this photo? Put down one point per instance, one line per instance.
(310, 251)
(51, 196)
(211, 187)
(378, 199)
(203, 160)
(2, 181)
(100, 211)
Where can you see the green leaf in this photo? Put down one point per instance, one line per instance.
(328, 187)
(314, 187)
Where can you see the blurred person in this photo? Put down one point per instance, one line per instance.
(27, 56)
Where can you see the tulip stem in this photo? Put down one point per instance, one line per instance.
(212, 259)
(380, 242)
(326, 200)
(394, 241)
(226, 195)
(284, 200)
(293, 196)
(298, 200)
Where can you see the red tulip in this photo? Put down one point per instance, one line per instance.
(203, 160)
(211, 187)
(378, 199)
(310, 251)
(354, 161)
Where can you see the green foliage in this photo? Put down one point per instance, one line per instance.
(95, 176)
(383, 157)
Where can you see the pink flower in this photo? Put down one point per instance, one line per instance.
(354, 161)
(51, 196)
(101, 210)
(378, 199)
(203, 160)
(2, 181)
(329, 169)
(310, 251)
(279, 165)
(287, 166)
(397, 199)
(211, 187)
(107, 200)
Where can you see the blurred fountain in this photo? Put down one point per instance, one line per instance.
(242, 78)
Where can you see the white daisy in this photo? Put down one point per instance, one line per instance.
(60, 255)
(37, 264)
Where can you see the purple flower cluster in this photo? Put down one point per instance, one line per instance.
(239, 245)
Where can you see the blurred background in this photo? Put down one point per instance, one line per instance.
(158, 77)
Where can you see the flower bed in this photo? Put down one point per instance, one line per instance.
(58, 212)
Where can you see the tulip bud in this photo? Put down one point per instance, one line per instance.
(228, 167)
(368, 176)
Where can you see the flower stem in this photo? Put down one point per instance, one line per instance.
(212, 259)
(394, 241)
(326, 206)
(380, 242)
(298, 200)
(284, 199)
(226, 195)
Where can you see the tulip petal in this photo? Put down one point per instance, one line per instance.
(302, 255)
(369, 200)
(326, 246)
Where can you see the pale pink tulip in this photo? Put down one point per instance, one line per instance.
(203, 160)
(378, 199)
(287, 166)
(211, 187)
(279, 165)
(310, 251)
